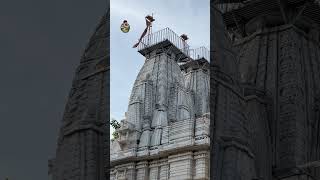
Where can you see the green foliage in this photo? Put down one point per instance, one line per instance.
(115, 135)
(115, 124)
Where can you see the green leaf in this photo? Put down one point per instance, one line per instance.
(115, 124)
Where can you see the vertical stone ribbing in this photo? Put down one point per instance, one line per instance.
(291, 102)
(81, 144)
(232, 157)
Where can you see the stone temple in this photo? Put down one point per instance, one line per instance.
(82, 141)
(262, 122)
(265, 90)
(165, 134)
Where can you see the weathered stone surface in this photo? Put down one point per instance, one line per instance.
(267, 127)
(82, 139)
(169, 116)
(231, 155)
(264, 104)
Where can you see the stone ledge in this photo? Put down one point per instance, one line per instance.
(164, 153)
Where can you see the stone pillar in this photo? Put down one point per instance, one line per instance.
(202, 132)
(130, 171)
(146, 133)
(159, 120)
(201, 165)
(154, 170)
(126, 171)
(142, 171)
(134, 113)
(162, 81)
(291, 98)
(164, 170)
(181, 166)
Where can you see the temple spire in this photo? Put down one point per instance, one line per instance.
(85, 116)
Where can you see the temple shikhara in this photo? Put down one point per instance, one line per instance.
(265, 90)
(82, 141)
(165, 133)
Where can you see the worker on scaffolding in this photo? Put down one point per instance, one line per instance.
(149, 20)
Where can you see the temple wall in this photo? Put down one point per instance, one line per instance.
(283, 62)
(184, 166)
(179, 134)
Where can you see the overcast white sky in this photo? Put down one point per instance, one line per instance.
(189, 17)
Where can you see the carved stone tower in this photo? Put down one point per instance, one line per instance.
(277, 55)
(82, 138)
(165, 134)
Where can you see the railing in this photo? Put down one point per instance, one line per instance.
(162, 35)
(199, 53)
(168, 34)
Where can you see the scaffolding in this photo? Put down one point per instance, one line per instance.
(199, 53)
(166, 37)
(161, 36)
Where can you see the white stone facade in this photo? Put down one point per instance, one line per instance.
(165, 134)
(187, 165)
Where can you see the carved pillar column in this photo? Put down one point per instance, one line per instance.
(142, 171)
(164, 169)
(154, 170)
(131, 171)
(201, 165)
(181, 166)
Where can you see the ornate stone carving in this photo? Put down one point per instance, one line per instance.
(82, 137)
(163, 107)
